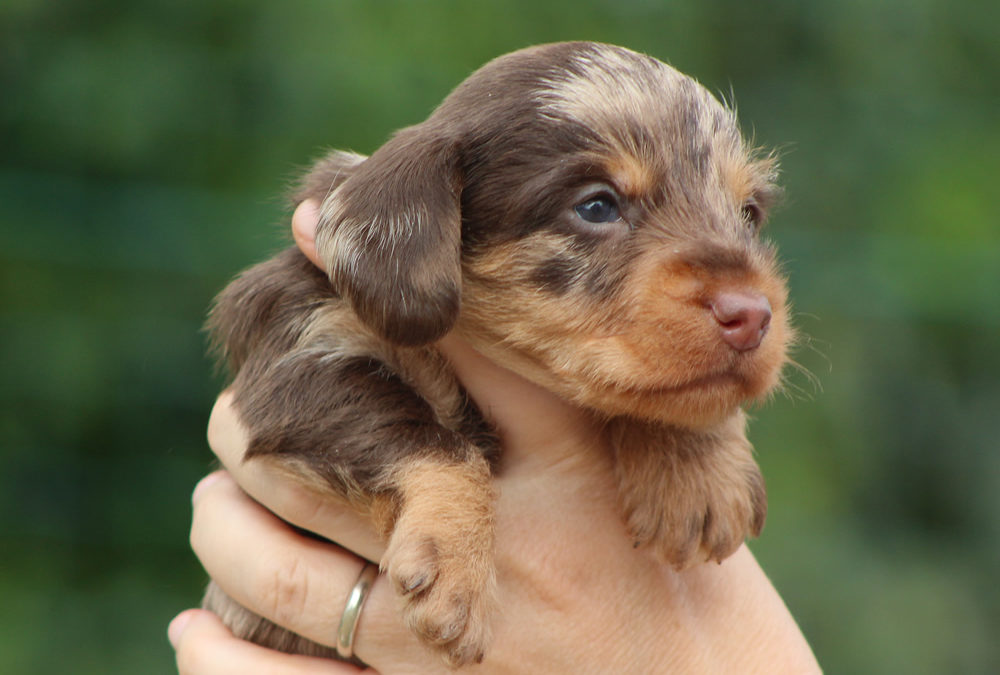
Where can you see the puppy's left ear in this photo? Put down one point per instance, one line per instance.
(390, 237)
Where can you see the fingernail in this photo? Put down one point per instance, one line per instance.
(177, 626)
(204, 483)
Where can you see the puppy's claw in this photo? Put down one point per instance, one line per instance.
(413, 585)
(710, 524)
(447, 599)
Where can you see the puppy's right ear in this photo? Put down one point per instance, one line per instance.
(390, 237)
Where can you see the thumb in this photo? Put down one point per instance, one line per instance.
(304, 222)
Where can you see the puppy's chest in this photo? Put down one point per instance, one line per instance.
(336, 331)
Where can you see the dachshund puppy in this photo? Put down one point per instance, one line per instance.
(583, 215)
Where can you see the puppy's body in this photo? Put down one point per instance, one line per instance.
(583, 215)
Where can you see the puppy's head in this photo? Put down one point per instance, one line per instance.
(586, 216)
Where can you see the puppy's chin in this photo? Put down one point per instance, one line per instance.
(679, 389)
(699, 403)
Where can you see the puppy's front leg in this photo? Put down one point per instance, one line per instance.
(353, 428)
(440, 553)
(691, 496)
(438, 520)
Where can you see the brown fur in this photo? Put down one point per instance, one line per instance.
(469, 222)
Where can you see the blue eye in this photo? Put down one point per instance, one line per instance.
(600, 209)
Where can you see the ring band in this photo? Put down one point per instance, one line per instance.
(352, 611)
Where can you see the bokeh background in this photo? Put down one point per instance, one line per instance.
(144, 150)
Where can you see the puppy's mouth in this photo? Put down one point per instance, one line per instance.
(724, 379)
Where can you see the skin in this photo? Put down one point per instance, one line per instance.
(576, 596)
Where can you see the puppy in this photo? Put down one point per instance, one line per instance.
(583, 215)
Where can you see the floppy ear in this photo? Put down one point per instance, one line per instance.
(390, 237)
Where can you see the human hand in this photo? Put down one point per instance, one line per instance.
(575, 595)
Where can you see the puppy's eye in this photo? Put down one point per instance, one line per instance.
(752, 214)
(599, 209)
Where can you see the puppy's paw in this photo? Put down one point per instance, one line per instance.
(447, 593)
(701, 518)
(690, 497)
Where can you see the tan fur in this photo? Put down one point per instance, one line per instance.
(633, 176)
(709, 497)
(441, 559)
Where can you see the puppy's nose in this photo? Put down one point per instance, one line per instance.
(743, 316)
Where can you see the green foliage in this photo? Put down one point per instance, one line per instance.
(145, 149)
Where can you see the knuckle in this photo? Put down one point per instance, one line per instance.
(195, 538)
(201, 534)
(283, 591)
(217, 428)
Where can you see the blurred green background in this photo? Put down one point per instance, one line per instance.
(144, 149)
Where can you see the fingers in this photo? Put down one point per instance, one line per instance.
(304, 222)
(204, 646)
(290, 500)
(295, 581)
